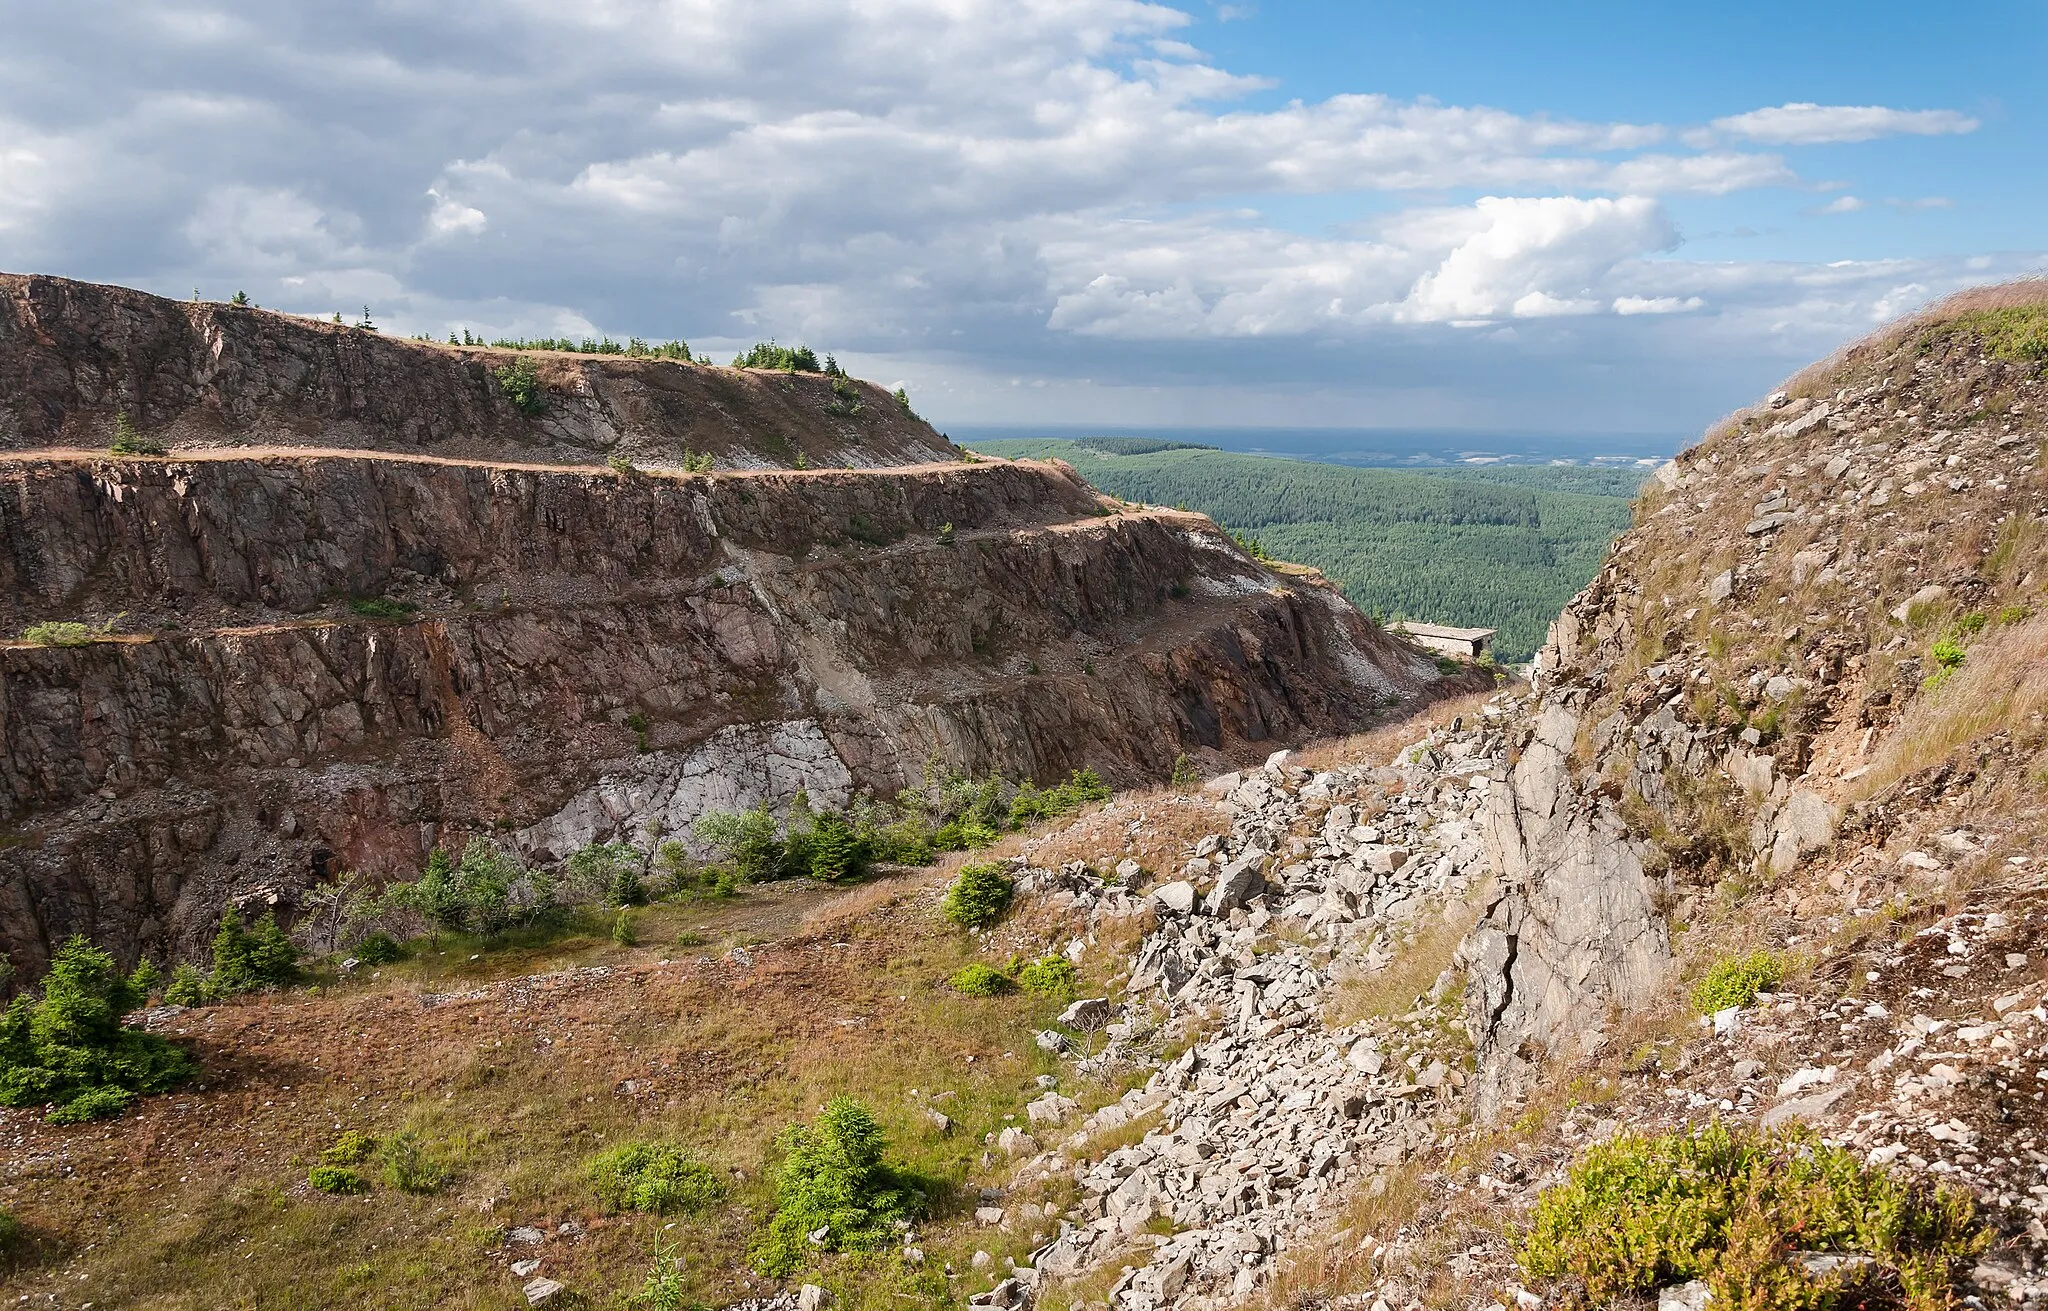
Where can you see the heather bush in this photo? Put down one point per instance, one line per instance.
(662, 1178)
(1730, 1206)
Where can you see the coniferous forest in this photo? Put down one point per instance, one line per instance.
(1497, 546)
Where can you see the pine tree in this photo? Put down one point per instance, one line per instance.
(835, 852)
(233, 970)
(271, 953)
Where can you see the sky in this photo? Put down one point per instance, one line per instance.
(1561, 218)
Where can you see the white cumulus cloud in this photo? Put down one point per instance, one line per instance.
(1805, 124)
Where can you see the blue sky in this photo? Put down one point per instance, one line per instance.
(1555, 218)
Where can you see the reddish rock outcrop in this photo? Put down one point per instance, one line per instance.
(319, 659)
(199, 373)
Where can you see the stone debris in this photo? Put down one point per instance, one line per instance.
(1269, 1119)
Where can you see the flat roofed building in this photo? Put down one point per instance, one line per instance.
(1465, 643)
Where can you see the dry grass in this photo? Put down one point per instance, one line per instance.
(198, 1199)
(1378, 745)
(1398, 988)
(1345, 1258)
(2002, 685)
(2021, 293)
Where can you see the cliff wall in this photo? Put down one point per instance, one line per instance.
(1747, 719)
(199, 373)
(580, 656)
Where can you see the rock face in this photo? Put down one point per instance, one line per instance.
(328, 661)
(73, 354)
(1713, 705)
(1573, 930)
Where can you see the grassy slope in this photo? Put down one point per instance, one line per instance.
(514, 1061)
(1500, 547)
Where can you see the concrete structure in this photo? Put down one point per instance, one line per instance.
(1464, 643)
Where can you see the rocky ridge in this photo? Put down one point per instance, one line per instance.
(1801, 708)
(201, 374)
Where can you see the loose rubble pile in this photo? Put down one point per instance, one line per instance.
(1273, 1115)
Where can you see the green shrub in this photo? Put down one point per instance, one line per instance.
(58, 632)
(665, 1289)
(697, 461)
(352, 1148)
(127, 441)
(378, 949)
(380, 607)
(833, 1178)
(962, 835)
(520, 381)
(13, 1236)
(246, 960)
(978, 981)
(979, 896)
(2013, 332)
(607, 872)
(836, 851)
(1947, 656)
(622, 929)
(621, 466)
(747, 839)
(682, 875)
(1729, 1206)
(662, 1178)
(768, 355)
(409, 1167)
(337, 1179)
(486, 893)
(1184, 776)
(144, 979)
(1031, 805)
(188, 987)
(69, 1047)
(1736, 981)
(102, 1103)
(1048, 976)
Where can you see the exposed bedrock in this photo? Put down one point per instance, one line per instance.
(576, 656)
(75, 354)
